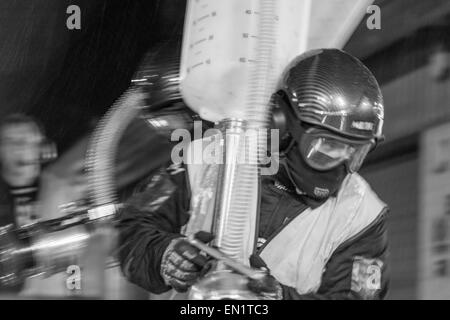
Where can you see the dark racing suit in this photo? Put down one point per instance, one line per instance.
(160, 208)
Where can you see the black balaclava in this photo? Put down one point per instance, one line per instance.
(309, 181)
(313, 183)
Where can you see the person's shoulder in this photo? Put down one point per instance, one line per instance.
(358, 206)
(357, 190)
(357, 179)
(360, 185)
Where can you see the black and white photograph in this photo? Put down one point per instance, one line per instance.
(248, 151)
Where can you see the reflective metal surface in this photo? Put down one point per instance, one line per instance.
(333, 89)
(159, 73)
(227, 261)
(235, 216)
(55, 251)
(222, 285)
(236, 199)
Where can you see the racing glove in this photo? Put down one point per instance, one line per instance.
(182, 263)
(268, 287)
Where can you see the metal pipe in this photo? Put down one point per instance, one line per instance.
(222, 257)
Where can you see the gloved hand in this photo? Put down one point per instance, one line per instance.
(267, 287)
(182, 263)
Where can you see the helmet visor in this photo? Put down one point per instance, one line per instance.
(324, 152)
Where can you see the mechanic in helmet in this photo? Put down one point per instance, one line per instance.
(321, 230)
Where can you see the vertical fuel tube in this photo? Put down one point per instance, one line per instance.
(233, 53)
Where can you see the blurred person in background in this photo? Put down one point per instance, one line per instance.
(30, 193)
(322, 230)
(21, 140)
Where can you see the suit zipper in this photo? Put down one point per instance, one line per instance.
(286, 221)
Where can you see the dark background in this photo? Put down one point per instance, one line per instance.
(68, 78)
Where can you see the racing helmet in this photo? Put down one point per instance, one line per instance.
(337, 107)
(159, 74)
